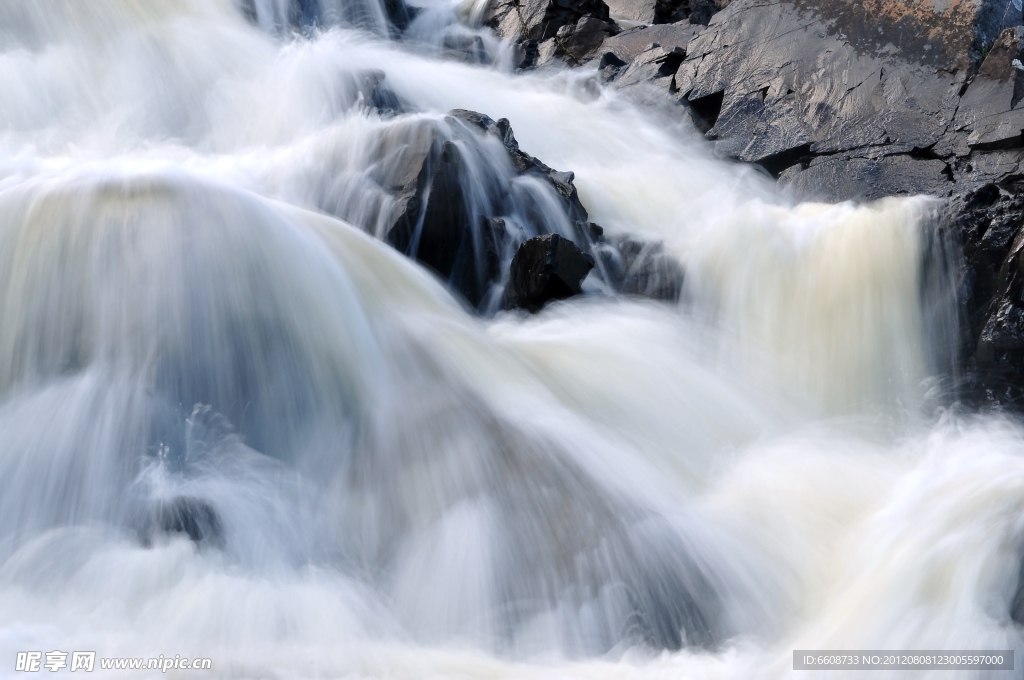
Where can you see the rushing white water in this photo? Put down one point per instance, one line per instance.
(400, 488)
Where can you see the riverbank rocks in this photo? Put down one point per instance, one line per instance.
(844, 99)
(546, 268)
(542, 30)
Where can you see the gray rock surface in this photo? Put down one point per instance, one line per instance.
(860, 82)
(630, 44)
(665, 11)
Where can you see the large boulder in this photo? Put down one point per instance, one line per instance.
(433, 223)
(527, 165)
(435, 215)
(546, 268)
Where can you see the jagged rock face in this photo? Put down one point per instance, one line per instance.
(793, 89)
(545, 29)
(628, 45)
(988, 223)
(847, 99)
(988, 113)
(434, 225)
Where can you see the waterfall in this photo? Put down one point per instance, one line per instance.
(237, 422)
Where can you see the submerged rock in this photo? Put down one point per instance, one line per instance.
(546, 268)
(642, 268)
(374, 94)
(194, 517)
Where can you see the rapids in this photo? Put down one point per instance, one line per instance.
(195, 303)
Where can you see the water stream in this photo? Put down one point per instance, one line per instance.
(196, 303)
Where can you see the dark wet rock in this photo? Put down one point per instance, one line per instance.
(575, 43)
(539, 20)
(525, 164)
(788, 79)
(193, 517)
(987, 221)
(546, 268)
(840, 98)
(400, 14)
(432, 222)
(556, 26)
(656, 65)
(643, 61)
(629, 266)
(437, 221)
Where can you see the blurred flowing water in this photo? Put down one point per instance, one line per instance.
(197, 316)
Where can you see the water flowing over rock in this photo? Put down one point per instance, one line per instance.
(439, 217)
(257, 403)
(848, 100)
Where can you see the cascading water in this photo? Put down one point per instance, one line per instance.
(379, 483)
